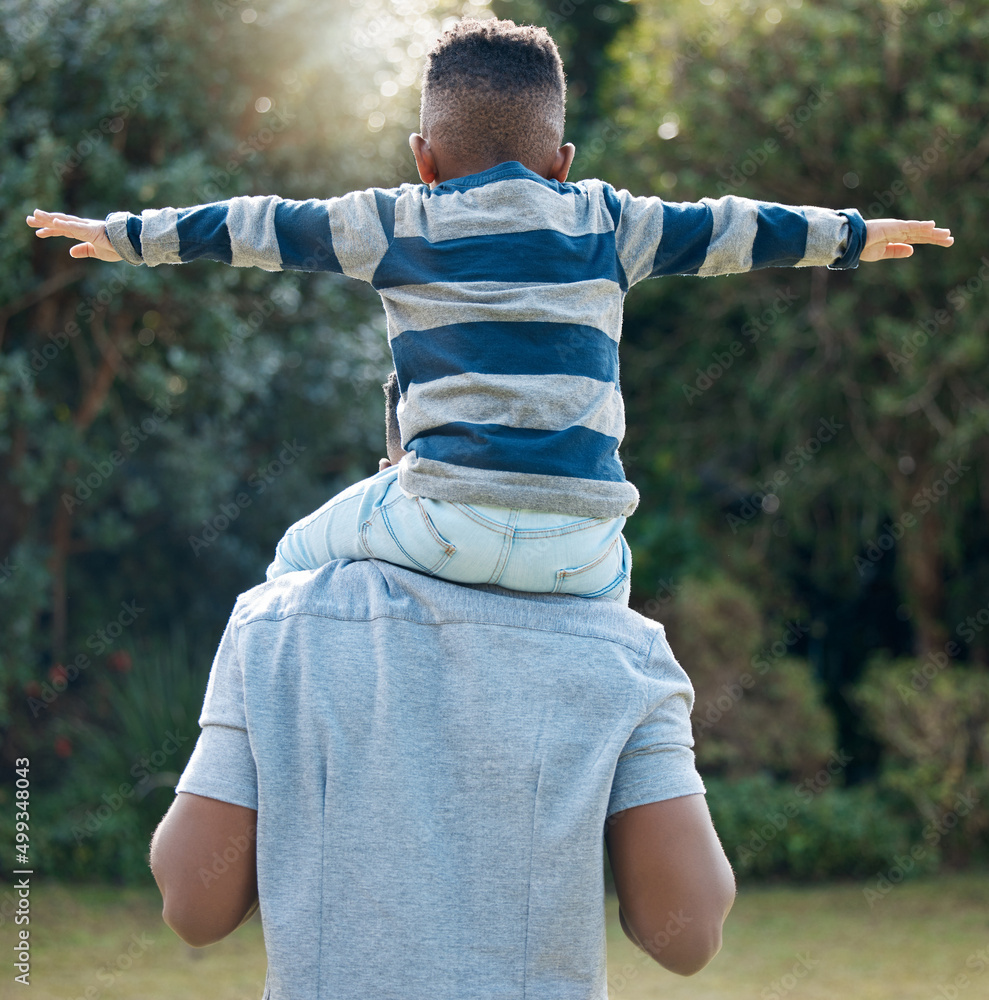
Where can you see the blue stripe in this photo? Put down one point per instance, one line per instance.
(612, 203)
(541, 255)
(134, 232)
(305, 241)
(686, 237)
(577, 453)
(503, 348)
(202, 232)
(781, 237)
(384, 201)
(856, 240)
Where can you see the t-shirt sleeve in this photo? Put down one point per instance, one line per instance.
(657, 762)
(222, 765)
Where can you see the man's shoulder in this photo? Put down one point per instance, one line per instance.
(367, 590)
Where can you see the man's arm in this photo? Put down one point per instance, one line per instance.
(204, 859)
(674, 883)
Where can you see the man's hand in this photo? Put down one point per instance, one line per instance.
(92, 232)
(888, 239)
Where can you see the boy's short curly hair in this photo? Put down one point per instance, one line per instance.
(494, 91)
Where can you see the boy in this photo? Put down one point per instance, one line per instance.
(503, 286)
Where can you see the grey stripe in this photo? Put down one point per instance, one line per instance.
(510, 206)
(827, 236)
(359, 240)
(251, 227)
(639, 233)
(116, 231)
(159, 236)
(736, 221)
(559, 494)
(596, 303)
(540, 402)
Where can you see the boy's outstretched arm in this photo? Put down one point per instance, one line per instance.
(347, 235)
(890, 239)
(91, 233)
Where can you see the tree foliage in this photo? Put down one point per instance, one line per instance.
(810, 445)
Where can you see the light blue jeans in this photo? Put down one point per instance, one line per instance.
(525, 550)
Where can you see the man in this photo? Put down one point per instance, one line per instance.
(430, 768)
(413, 777)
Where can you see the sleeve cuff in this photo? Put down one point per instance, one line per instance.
(854, 241)
(118, 231)
(222, 767)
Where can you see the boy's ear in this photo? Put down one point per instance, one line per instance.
(425, 161)
(561, 165)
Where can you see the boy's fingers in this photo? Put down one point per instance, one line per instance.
(898, 250)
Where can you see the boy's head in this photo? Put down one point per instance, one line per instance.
(493, 91)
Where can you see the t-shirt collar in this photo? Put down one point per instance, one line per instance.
(508, 170)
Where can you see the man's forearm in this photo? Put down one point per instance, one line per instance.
(203, 905)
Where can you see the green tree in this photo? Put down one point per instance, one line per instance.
(830, 426)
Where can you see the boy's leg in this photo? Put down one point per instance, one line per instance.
(534, 551)
(332, 531)
(518, 549)
(374, 519)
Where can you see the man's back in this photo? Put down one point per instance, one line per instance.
(434, 767)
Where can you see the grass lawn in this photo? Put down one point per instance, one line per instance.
(816, 942)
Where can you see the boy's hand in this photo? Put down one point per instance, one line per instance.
(92, 232)
(888, 239)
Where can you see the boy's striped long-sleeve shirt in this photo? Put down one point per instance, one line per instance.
(503, 293)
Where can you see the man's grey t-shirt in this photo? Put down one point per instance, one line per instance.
(432, 767)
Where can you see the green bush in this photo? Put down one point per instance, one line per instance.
(810, 831)
(756, 708)
(121, 754)
(932, 717)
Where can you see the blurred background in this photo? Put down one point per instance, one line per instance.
(810, 445)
